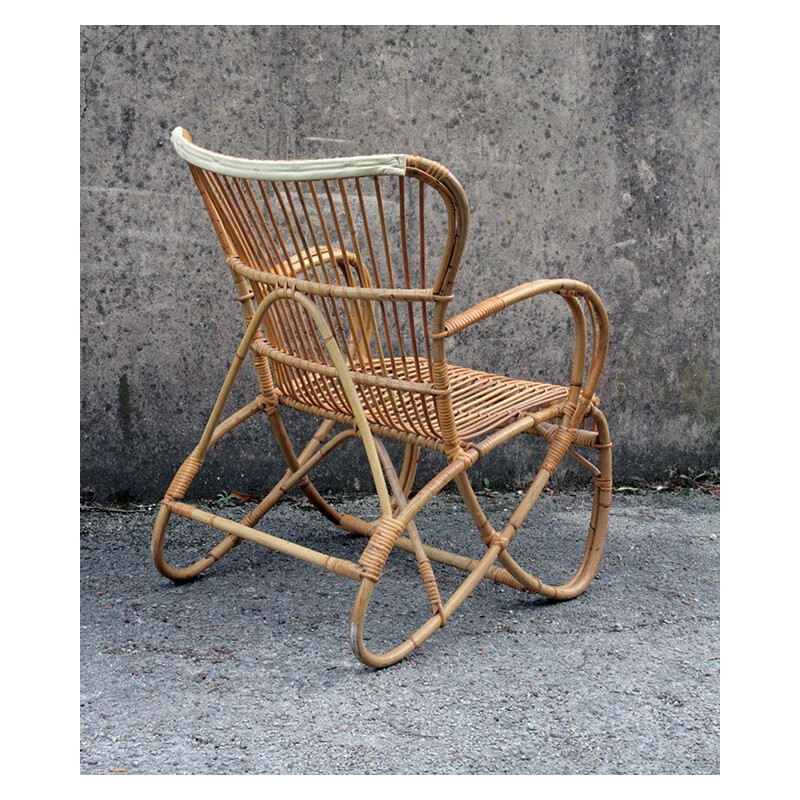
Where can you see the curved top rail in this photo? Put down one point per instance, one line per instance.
(300, 170)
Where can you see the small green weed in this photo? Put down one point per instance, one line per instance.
(225, 500)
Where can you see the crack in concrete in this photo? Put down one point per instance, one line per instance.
(91, 69)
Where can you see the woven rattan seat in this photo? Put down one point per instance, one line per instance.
(481, 401)
(344, 270)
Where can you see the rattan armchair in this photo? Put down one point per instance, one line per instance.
(344, 270)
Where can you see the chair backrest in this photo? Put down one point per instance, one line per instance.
(375, 242)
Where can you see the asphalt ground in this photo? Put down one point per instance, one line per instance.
(247, 670)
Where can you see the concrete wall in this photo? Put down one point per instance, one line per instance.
(586, 152)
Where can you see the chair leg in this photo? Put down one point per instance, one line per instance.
(408, 470)
(399, 504)
(598, 521)
(178, 488)
(296, 475)
(385, 537)
(424, 631)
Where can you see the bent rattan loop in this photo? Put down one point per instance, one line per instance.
(344, 270)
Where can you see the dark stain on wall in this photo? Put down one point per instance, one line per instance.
(124, 406)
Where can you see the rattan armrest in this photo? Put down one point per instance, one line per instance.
(570, 290)
(308, 259)
(491, 305)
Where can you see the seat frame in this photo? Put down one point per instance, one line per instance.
(572, 427)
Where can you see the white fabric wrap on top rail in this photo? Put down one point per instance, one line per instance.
(319, 169)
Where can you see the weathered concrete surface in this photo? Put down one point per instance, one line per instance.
(586, 152)
(248, 670)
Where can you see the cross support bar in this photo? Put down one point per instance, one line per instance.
(338, 565)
